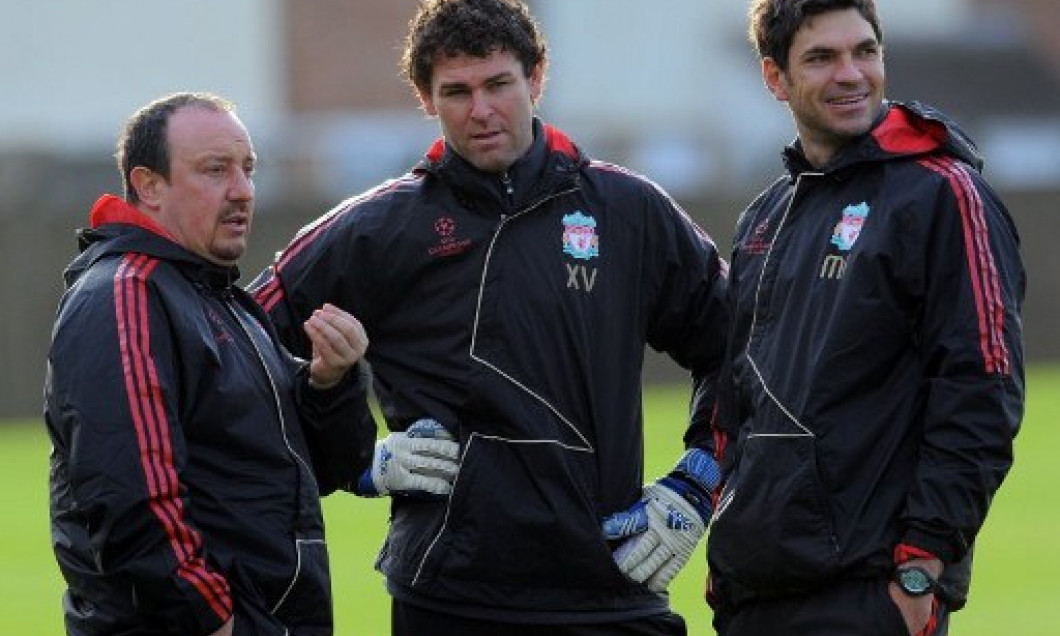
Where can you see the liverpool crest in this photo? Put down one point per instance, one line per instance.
(849, 228)
(579, 236)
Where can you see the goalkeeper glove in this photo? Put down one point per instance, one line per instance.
(660, 531)
(422, 460)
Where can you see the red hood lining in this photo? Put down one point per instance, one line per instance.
(110, 209)
(902, 132)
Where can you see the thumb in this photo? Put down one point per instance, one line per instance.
(626, 523)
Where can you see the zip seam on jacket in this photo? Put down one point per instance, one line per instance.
(478, 312)
(474, 339)
(754, 324)
(235, 309)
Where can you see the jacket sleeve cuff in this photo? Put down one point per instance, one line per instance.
(339, 429)
(903, 552)
(939, 547)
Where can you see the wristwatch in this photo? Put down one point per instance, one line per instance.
(915, 580)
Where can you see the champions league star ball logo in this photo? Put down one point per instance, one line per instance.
(579, 236)
(847, 230)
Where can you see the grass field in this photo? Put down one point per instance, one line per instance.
(1017, 558)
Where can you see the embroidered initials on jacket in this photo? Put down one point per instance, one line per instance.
(580, 277)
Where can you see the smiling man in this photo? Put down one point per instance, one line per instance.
(510, 284)
(874, 379)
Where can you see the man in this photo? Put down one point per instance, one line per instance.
(189, 449)
(876, 379)
(509, 285)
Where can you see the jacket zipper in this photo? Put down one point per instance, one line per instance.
(509, 188)
(235, 311)
(506, 180)
(832, 535)
(505, 218)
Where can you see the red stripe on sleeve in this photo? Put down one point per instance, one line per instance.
(272, 292)
(982, 268)
(269, 294)
(147, 407)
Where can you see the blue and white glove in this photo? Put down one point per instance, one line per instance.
(660, 531)
(421, 461)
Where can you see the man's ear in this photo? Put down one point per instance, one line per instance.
(774, 78)
(426, 102)
(148, 185)
(537, 82)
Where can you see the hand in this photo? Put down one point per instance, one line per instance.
(422, 461)
(226, 629)
(338, 340)
(661, 530)
(916, 610)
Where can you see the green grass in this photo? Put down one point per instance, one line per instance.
(1013, 591)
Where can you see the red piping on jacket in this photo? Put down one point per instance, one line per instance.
(982, 269)
(152, 430)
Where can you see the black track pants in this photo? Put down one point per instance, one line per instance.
(410, 620)
(857, 607)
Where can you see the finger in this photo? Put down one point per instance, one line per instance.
(344, 323)
(330, 342)
(321, 325)
(436, 468)
(326, 350)
(433, 485)
(440, 448)
(662, 578)
(652, 560)
(631, 555)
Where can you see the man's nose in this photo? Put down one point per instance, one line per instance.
(481, 106)
(849, 70)
(242, 187)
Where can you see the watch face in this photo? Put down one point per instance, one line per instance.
(915, 581)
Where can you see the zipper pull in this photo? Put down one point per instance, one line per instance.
(506, 180)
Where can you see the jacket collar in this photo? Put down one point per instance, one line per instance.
(902, 130)
(110, 209)
(115, 226)
(551, 160)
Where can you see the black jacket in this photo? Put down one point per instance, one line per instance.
(877, 363)
(515, 310)
(183, 438)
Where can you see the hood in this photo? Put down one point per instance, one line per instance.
(116, 227)
(552, 158)
(903, 130)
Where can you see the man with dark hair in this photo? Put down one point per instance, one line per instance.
(510, 285)
(190, 449)
(874, 380)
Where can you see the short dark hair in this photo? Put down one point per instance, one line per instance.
(444, 28)
(143, 140)
(773, 23)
